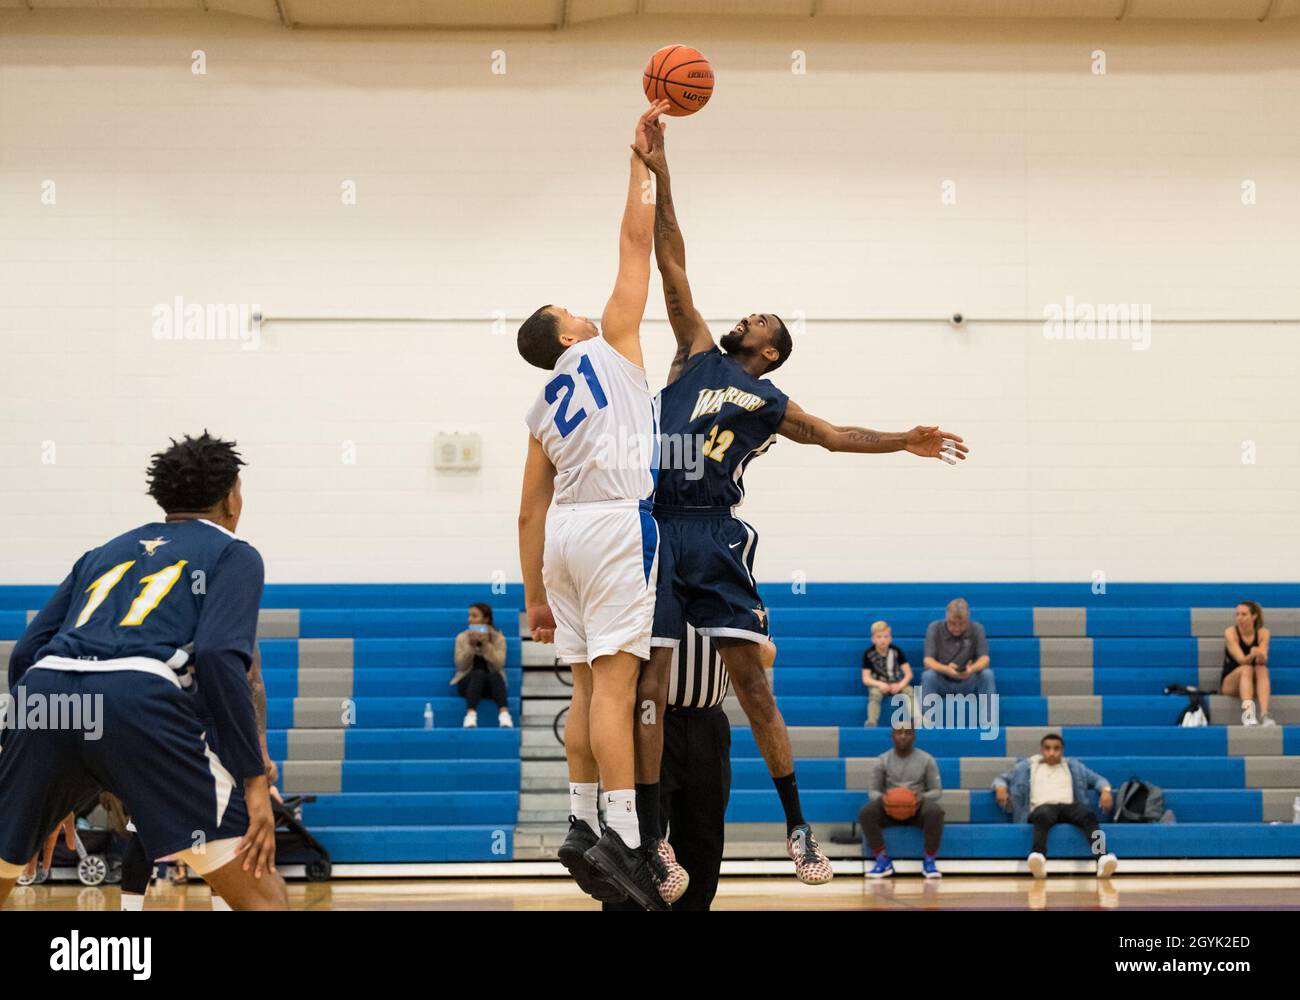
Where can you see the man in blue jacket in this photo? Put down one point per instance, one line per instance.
(1047, 789)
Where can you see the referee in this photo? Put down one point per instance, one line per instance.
(695, 777)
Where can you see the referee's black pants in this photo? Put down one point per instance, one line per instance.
(694, 787)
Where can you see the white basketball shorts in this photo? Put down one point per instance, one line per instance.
(600, 567)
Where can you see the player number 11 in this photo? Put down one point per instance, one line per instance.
(153, 588)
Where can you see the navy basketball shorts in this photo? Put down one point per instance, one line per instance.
(706, 563)
(132, 733)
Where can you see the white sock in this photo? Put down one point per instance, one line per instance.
(131, 903)
(584, 804)
(219, 905)
(620, 816)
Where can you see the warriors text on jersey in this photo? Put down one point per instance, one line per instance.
(715, 419)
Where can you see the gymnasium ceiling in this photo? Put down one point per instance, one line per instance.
(559, 14)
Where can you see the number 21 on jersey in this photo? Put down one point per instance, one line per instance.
(562, 388)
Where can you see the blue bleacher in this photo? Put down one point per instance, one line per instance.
(406, 794)
(758, 805)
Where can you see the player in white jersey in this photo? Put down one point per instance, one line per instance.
(590, 561)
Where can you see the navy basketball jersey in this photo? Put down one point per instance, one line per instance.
(141, 594)
(714, 420)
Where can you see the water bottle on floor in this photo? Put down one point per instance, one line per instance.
(428, 718)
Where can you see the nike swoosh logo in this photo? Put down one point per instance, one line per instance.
(733, 545)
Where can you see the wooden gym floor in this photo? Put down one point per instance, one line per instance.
(1199, 892)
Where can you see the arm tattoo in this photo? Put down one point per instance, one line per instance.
(679, 361)
(673, 300)
(802, 430)
(665, 217)
(860, 435)
(258, 689)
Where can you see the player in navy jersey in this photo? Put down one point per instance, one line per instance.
(717, 414)
(149, 634)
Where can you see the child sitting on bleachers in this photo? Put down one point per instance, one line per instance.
(885, 671)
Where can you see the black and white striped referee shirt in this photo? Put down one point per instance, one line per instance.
(698, 678)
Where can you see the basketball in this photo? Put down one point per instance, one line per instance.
(680, 74)
(900, 803)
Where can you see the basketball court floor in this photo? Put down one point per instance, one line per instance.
(1157, 892)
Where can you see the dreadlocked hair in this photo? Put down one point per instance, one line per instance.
(193, 474)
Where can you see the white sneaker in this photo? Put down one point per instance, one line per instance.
(1248, 714)
(471, 720)
(504, 720)
(1106, 865)
(1267, 720)
(1038, 865)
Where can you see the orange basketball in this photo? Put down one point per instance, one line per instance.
(900, 803)
(678, 73)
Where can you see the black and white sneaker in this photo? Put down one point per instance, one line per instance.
(572, 854)
(626, 868)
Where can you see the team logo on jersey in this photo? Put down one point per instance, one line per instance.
(151, 544)
(712, 400)
(761, 615)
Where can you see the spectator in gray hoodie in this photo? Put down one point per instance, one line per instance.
(904, 790)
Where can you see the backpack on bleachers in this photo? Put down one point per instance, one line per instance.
(1139, 801)
(1197, 710)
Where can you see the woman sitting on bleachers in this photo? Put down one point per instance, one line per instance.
(1245, 664)
(480, 656)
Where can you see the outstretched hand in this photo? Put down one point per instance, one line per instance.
(931, 442)
(649, 145)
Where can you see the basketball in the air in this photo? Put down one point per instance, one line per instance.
(681, 76)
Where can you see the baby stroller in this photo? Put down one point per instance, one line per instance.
(97, 859)
(294, 844)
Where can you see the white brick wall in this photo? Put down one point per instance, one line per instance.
(816, 193)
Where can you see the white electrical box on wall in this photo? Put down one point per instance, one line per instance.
(458, 452)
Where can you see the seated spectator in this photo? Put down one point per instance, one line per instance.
(1049, 788)
(481, 666)
(904, 791)
(1245, 664)
(885, 671)
(956, 655)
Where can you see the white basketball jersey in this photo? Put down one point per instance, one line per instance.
(596, 421)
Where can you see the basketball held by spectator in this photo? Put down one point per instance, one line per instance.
(900, 803)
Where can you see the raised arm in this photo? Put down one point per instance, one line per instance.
(621, 321)
(927, 442)
(539, 488)
(688, 325)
